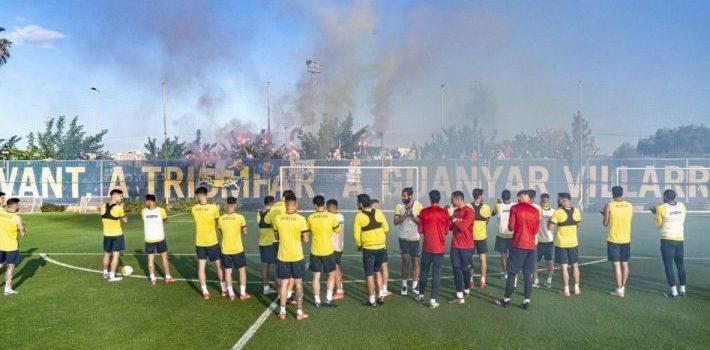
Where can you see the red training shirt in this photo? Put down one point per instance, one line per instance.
(524, 222)
(434, 224)
(463, 228)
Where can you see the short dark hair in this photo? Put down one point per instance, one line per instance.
(290, 197)
(544, 196)
(231, 200)
(532, 193)
(374, 201)
(115, 191)
(287, 192)
(332, 202)
(269, 200)
(477, 192)
(505, 195)
(319, 201)
(668, 195)
(564, 195)
(2, 193)
(435, 196)
(617, 191)
(364, 199)
(522, 193)
(13, 200)
(408, 190)
(150, 197)
(457, 194)
(201, 190)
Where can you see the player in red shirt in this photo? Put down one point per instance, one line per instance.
(461, 245)
(434, 224)
(524, 222)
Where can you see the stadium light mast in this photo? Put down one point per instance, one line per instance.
(313, 67)
(97, 93)
(442, 106)
(581, 146)
(166, 192)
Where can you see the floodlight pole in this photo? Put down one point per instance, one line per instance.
(313, 67)
(166, 191)
(97, 93)
(581, 147)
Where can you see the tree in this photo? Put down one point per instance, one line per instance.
(587, 140)
(8, 147)
(5, 45)
(683, 141)
(73, 143)
(626, 150)
(332, 133)
(457, 142)
(172, 148)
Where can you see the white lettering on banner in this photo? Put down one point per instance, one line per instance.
(515, 179)
(441, 180)
(75, 171)
(51, 181)
(672, 177)
(190, 182)
(257, 184)
(304, 183)
(698, 179)
(8, 186)
(605, 190)
(151, 171)
(28, 183)
(118, 180)
(574, 183)
(173, 183)
(591, 190)
(463, 181)
(649, 182)
(538, 176)
(491, 179)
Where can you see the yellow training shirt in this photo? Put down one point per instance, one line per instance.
(323, 225)
(231, 226)
(566, 236)
(482, 214)
(621, 214)
(205, 231)
(266, 233)
(277, 209)
(369, 229)
(290, 228)
(112, 227)
(10, 224)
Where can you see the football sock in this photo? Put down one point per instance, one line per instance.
(242, 290)
(329, 295)
(223, 285)
(415, 284)
(317, 299)
(682, 289)
(674, 290)
(204, 289)
(371, 299)
(404, 283)
(230, 290)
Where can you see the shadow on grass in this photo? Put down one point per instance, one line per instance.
(29, 269)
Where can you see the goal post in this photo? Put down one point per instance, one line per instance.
(644, 186)
(31, 204)
(344, 183)
(92, 204)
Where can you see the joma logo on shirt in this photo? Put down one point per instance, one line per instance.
(287, 218)
(151, 216)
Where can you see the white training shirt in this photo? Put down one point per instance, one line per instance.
(153, 224)
(407, 230)
(673, 225)
(503, 214)
(543, 234)
(338, 238)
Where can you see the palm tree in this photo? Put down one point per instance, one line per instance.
(4, 48)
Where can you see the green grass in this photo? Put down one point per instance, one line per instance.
(67, 308)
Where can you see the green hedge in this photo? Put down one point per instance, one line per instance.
(53, 208)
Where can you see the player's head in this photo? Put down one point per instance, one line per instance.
(291, 203)
(457, 199)
(2, 197)
(505, 195)
(201, 194)
(523, 196)
(407, 194)
(617, 192)
(116, 195)
(332, 205)
(545, 199)
(477, 194)
(434, 196)
(668, 196)
(364, 201)
(150, 200)
(13, 205)
(286, 193)
(231, 204)
(532, 194)
(269, 201)
(318, 201)
(564, 199)
(375, 203)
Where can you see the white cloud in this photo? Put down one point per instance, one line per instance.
(35, 35)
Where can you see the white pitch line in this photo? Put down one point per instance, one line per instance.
(254, 327)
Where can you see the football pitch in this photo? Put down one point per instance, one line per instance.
(65, 303)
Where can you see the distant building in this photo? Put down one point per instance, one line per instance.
(130, 155)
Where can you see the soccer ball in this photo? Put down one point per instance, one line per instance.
(126, 270)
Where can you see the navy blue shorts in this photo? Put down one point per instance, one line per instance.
(566, 256)
(11, 258)
(481, 247)
(322, 263)
(286, 270)
(114, 243)
(618, 252)
(544, 250)
(234, 261)
(153, 247)
(522, 260)
(213, 252)
(410, 248)
(503, 245)
(461, 257)
(338, 257)
(372, 260)
(268, 253)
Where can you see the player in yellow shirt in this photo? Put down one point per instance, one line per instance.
(11, 225)
(154, 218)
(369, 231)
(566, 218)
(618, 215)
(384, 274)
(670, 220)
(322, 225)
(268, 245)
(112, 215)
(277, 209)
(292, 231)
(233, 226)
(480, 233)
(206, 243)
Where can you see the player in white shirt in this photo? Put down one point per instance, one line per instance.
(545, 240)
(504, 238)
(406, 219)
(338, 246)
(153, 219)
(670, 220)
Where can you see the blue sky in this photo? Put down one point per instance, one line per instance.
(644, 65)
